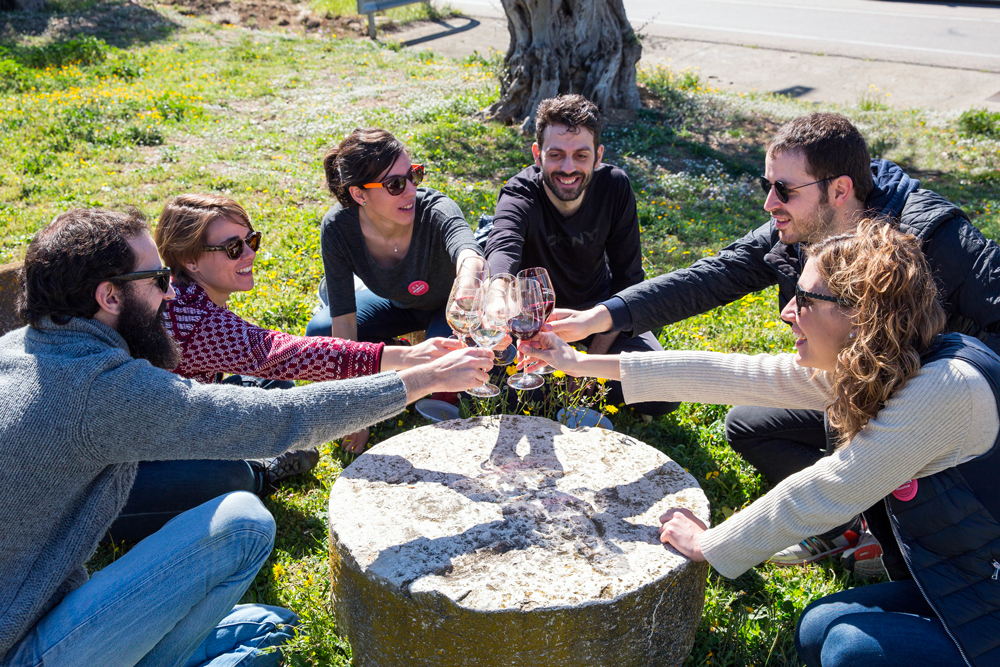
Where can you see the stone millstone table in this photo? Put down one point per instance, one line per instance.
(513, 541)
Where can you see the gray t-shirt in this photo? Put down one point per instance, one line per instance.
(421, 281)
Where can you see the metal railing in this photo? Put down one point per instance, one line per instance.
(369, 7)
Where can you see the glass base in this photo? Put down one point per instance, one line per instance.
(525, 381)
(486, 391)
(544, 370)
(506, 356)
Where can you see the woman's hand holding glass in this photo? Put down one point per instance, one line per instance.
(546, 348)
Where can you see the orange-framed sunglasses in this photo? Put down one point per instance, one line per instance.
(395, 185)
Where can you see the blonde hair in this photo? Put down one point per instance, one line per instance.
(884, 275)
(184, 221)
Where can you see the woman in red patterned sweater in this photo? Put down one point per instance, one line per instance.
(210, 245)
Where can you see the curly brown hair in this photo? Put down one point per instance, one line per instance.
(885, 277)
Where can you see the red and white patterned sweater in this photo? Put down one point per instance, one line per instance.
(215, 340)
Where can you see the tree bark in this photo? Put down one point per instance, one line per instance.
(567, 46)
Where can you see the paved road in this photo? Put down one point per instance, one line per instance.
(924, 33)
(934, 55)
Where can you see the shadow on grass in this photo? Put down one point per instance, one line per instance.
(120, 24)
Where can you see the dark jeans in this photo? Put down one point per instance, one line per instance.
(775, 441)
(882, 625)
(379, 320)
(164, 489)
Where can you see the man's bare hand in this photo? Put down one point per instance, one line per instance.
(573, 325)
(682, 530)
(457, 370)
(355, 442)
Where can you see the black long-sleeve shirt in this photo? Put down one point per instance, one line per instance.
(589, 255)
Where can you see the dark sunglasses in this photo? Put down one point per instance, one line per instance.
(234, 248)
(782, 190)
(162, 277)
(802, 299)
(395, 185)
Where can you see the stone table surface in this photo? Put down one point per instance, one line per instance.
(455, 532)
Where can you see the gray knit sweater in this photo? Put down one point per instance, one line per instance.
(76, 415)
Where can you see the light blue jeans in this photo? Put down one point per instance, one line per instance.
(169, 602)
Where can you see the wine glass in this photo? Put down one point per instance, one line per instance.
(462, 303)
(526, 324)
(488, 329)
(506, 282)
(548, 299)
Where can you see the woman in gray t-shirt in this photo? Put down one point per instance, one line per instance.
(402, 241)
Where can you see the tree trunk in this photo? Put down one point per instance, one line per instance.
(567, 46)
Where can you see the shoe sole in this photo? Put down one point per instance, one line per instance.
(813, 559)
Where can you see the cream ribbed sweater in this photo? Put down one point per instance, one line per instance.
(944, 416)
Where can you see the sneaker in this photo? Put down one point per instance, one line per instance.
(813, 549)
(289, 464)
(865, 559)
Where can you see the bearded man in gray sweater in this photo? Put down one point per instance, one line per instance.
(83, 398)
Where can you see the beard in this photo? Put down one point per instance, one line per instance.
(146, 333)
(563, 193)
(820, 223)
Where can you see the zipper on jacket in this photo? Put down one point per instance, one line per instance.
(944, 625)
(996, 570)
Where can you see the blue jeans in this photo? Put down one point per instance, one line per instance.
(882, 625)
(380, 321)
(169, 602)
(165, 489)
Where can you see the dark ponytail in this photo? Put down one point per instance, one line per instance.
(362, 157)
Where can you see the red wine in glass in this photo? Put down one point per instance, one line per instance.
(528, 322)
(549, 302)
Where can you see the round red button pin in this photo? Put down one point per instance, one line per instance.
(418, 287)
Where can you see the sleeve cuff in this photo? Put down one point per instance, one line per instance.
(621, 316)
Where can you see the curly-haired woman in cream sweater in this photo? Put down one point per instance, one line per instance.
(916, 414)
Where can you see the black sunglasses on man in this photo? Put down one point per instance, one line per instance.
(162, 277)
(782, 190)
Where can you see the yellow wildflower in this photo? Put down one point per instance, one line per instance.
(278, 570)
(527, 412)
(612, 410)
(601, 380)
(511, 369)
(558, 374)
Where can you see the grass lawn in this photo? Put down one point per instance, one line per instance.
(123, 104)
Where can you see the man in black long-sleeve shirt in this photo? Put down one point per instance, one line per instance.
(575, 217)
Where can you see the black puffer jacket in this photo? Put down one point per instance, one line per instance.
(948, 528)
(965, 264)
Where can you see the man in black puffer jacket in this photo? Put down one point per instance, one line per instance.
(819, 181)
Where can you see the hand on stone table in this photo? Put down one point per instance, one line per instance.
(682, 530)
